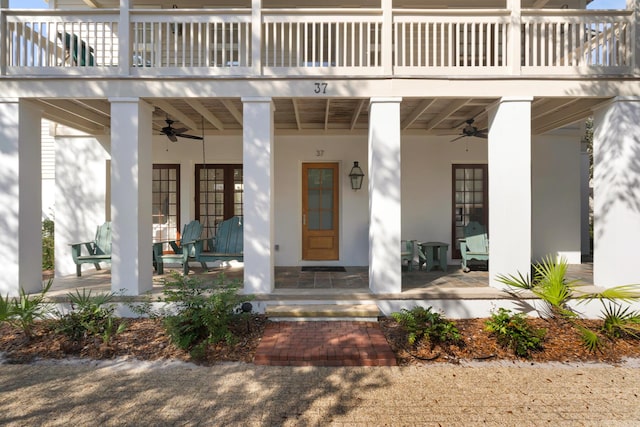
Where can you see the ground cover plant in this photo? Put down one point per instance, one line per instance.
(513, 331)
(435, 338)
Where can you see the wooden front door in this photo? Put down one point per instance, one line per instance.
(320, 211)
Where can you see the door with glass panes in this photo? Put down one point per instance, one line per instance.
(219, 195)
(320, 238)
(470, 200)
(165, 202)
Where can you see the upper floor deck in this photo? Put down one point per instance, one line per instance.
(342, 42)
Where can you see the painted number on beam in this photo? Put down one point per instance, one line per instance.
(320, 87)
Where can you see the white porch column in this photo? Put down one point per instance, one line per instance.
(20, 197)
(385, 265)
(131, 168)
(509, 188)
(257, 158)
(616, 194)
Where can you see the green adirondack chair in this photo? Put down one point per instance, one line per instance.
(227, 244)
(184, 250)
(475, 246)
(76, 50)
(96, 251)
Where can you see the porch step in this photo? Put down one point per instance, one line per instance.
(310, 312)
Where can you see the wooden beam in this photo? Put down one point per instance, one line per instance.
(556, 105)
(539, 4)
(296, 113)
(92, 3)
(97, 105)
(417, 112)
(356, 113)
(326, 114)
(175, 113)
(78, 110)
(62, 117)
(208, 115)
(446, 112)
(233, 110)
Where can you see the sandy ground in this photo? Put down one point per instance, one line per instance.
(123, 392)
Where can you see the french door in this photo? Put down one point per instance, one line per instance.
(219, 195)
(165, 202)
(470, 200)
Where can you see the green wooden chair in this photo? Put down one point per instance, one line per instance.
(475, 246)
(96, 251)
(227, 244)
(183, 250)
(76, 50)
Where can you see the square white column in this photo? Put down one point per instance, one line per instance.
(131, 170)
(257, 154)
(616, 193)
(385, 265)
(556, 198)
(20, 197)
(509, 188)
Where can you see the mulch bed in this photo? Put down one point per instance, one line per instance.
(146, 339)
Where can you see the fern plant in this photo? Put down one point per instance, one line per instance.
(423, 323)
(512, 331)
(202, 315)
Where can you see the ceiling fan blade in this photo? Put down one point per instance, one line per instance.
(179, 130)
(455, 139)
(184, 135)
(172, 137)
(481, 135)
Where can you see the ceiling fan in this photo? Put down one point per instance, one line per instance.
(173, 133)
(470, 130)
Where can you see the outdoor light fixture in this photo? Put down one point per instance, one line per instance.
(356, 176)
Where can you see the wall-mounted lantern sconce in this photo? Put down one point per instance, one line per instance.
(356, 175)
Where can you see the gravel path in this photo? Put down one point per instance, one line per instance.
(174, 393)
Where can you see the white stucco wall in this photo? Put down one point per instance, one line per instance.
(426, 184)
(426, 188)
(80, 195)
(556, 210)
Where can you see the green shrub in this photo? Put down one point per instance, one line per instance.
(90, 316)
(421, 323)
(513, 332)
(48, 261)
(202, 315)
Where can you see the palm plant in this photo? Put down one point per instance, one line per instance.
(550, 284)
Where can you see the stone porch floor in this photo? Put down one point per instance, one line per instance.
(292, 282)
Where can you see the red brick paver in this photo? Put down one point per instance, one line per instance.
(324, 343)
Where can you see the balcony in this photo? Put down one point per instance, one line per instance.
(328, 42)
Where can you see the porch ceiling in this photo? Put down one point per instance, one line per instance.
(211, 116)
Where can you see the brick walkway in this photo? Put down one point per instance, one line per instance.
(324, 343)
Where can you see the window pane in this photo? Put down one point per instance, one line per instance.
(327, 200)
(327, 220)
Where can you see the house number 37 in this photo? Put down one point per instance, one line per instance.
(320, 87)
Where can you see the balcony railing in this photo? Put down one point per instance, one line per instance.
(281, 42)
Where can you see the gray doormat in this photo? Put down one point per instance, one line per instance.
(324, 269)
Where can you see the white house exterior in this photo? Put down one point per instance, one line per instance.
(283, 91)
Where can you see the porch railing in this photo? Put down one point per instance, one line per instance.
(317, 41)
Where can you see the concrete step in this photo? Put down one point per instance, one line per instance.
(309, 312)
